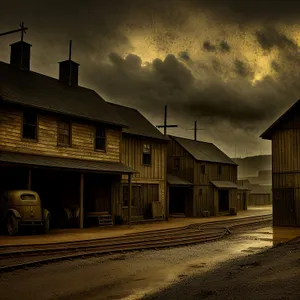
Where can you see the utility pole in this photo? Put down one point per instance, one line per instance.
(22, 29)
(70, 65)
(195, 129)
(165, 126)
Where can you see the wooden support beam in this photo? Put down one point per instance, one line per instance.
(129, 198)
(29, 180)
(195, 129)
(81, 215)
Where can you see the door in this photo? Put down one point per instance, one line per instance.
(223, 200)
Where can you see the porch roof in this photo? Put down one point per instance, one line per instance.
(64, 163)
(176, 181)
(224, 184)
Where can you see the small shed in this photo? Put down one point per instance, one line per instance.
(260, 195)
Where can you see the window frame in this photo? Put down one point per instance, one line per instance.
(26, 139)
(219, 170)
(60, 144)
(100, 137)
(149, 154)
(175, 166)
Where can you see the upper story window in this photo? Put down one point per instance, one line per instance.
(176, 163)
(100, 138)
(203, 170)
(64, 133)
(30, 126)
(146, 154)
(220, 170)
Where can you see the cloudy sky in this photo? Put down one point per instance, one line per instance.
(231, 65)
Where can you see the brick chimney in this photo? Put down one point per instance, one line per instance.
(20, 55)
(68, 70)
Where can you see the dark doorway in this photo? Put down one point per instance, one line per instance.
(223, 200)
(177, 200)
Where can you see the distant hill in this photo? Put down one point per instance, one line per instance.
(251, 165)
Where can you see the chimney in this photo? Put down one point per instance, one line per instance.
(20, 55)
(68, 70)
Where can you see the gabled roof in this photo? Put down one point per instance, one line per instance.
(267, 134)
(137, 123)
(203, 151)
(40, 91)
(259, 189)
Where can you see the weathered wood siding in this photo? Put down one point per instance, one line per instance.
(186, 169)
(150, 179)
(132, 155)
(83, 136)
(229, 173)
(260, 199)
(286, 174)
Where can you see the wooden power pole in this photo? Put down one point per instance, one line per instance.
(165, 126)
(22, 29)
(195, 129)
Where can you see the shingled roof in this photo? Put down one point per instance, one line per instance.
(40, 91)
(137, 123)
(203, 151)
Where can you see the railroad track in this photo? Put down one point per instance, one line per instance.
(20, 256)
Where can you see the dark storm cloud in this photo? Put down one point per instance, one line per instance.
(224, 46)
(170, 82)
(184, 55)
(265, 11)
(270, 38)
(242, 69)
(208, 46)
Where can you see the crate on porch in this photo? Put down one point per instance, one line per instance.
(102, 218)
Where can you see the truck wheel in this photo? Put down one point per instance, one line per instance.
(12, 225)
(46, 224)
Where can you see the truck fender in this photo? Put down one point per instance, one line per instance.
(68, 214)
(14, 212)
(46, 213)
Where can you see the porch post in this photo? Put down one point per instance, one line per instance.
(29, 180)
(81, 202)
(167, 201)
(129, 198)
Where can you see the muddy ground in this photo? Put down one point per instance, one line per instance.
(232, 268)
(270, 275)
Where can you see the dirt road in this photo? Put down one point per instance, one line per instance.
(180, 273)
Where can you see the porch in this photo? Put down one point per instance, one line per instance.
(86, 189)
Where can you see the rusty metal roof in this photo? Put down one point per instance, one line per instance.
(224, 184)
(176, 181)
(64, 163)
(40, 91)
(203, 151)
(137, 123)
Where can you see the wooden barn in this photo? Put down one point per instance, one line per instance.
(143, 148)
(59, 139)
(201, 179)
(285, 136)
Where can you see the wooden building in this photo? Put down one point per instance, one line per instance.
(260, 195)
(58, 138)
(143, 148)
(285, 136)
(201, 178)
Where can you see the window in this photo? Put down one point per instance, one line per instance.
(136, 195)
(29, 130)
(64, 133)
(203, 169)
(177, 163)
(146, 154)
(220, 170)
(100, 138)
